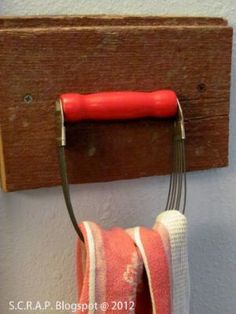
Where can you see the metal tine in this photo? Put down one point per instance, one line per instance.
(180, 176)
(185, 179)
(169, 192)
(177, 177)
(182, 193)
(63, 169)
(174, 189)
(66, 191)
(175, 185)
(178, 187)
(172, 179)
(182, 138)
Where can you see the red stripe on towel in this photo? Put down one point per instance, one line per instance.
(157, 268)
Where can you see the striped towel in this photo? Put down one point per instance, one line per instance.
(151, 247)
(109, 270)
(137, 270)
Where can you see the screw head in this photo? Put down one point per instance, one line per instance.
(201, 87)
(28, 99)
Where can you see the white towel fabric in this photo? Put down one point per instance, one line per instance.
(176, 227)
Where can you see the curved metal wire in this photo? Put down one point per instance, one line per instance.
(66, 191)
(63, 169)
(177, 184)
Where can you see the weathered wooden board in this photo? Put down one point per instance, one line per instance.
(46, 56)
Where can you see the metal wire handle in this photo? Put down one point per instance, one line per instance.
(177, 187)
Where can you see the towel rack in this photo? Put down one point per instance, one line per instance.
(72, 108)
(190, 55)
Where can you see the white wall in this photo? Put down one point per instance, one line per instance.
(37, 240)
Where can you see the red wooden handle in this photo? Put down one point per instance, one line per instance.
(119, 105)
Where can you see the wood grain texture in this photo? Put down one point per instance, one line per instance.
(102, 20)
(44, 57)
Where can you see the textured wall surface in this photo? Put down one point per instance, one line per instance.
(37, 241)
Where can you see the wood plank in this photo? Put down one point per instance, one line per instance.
(104, 20)
(194, 60)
